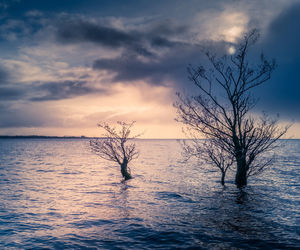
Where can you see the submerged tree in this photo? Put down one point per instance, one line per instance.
(221, 112)
(114, 146)
(208, 151)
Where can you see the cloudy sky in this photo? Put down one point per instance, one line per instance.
(67, 65)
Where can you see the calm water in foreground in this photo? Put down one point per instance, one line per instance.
(56, 194)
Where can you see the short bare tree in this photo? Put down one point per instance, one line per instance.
(221, 111)
(209, 152)
(114, 145)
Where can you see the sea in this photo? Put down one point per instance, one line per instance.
(57, 194)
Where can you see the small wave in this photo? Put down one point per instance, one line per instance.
(71, 173)
(173, 196)
(91, 223)
(45, 170)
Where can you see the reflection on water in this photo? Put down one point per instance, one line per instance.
(57, 194)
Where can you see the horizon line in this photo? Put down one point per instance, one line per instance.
(95, 137)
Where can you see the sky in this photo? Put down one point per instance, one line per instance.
(67, 65)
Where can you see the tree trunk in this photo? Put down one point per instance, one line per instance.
(241, 173)
(223, 178)
(124, 170)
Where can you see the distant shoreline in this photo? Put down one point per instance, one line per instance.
(87, 137)
(44, 137)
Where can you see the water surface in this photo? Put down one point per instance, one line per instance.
(58, 194)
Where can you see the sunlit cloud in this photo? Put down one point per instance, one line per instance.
(227, 25)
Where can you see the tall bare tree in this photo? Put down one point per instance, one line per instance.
(221, 111)
(114, 145)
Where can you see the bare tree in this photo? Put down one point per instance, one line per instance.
(114, 146)
(208, 151)
(221, 111)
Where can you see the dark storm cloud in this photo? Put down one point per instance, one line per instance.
(10, 93)
(76, 31)
(170, 66)
(142, 41)
(50, 91)
(283, 35)
(127, 68)
(47, 91)
(4, 75)
(162, 42)
(282, 94)
(167, 28)
(81, 31)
